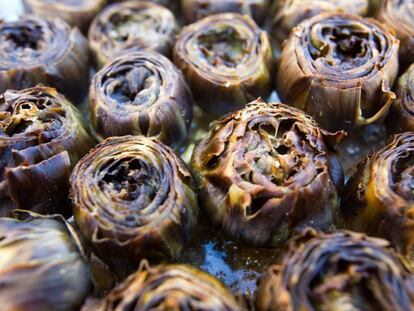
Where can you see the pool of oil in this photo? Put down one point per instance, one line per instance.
(234, 263)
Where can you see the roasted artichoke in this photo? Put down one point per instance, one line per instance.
(398, 15)
(170, 287)
(266, 171)
(379, 198)
(339, 68)
(401, 116)
(35, 50)
(133, 198)
(141, 93)
(194, 10)
(41, 137)
(289, 13)
(42, 265)
(227, 61)
(77, 13)
(338, 271)
(131, 26)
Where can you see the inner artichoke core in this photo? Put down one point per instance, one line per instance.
(223, 46)
(133, 86)
(132, 179)
(275, 151)
(24, 39)
(404, 175)
(134, 25)
(32, 118)
(338, 287)
(346, 46)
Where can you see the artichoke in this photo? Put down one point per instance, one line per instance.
(133, 198)
(289, 13)
(42, 265)
(194, 10)
(339, 68)
(266, 171)
(35, 50)
(77, 13)
(131, 26)
(170, 287)
(379, 196)
(141, 93)
(338, 271)
(399, 16)
(401, 116)
(227, 61)
(41, 137)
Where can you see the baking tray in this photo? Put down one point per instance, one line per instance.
(236, 264)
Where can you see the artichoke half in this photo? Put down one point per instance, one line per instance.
(339, 68)
(77, 13)
(42, 265)
(41, 138)
(290, 13)
(401, 116)
(338, 271)
(131, 26)
(133, 198)
(379, 198)
(398, 15)
(267, 171)
(227, 60)
(194, 10)
(35, 50)
(141, 93)
(173, 288)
